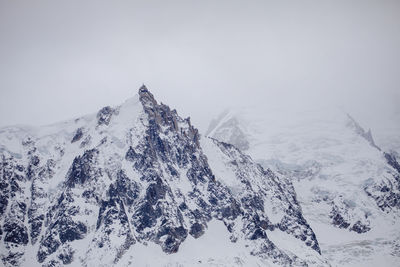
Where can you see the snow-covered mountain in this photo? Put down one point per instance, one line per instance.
(348, 187)
(136, 185)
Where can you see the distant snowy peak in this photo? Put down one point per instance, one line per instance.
(231, 131)
(136, 182)
(344, 182)
(367, 135)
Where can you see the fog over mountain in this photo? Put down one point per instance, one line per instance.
(199, 55)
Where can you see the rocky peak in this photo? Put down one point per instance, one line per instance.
(160, 115)
(142, 181)
(146, 97)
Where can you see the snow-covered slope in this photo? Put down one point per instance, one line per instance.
(135, 185)
(348, 187)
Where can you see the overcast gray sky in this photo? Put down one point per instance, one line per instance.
(62, 59)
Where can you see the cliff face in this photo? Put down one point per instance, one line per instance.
(96, 190)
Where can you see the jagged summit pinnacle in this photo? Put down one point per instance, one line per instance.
(146, 97)
(143, 88)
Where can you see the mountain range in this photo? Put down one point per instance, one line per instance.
(137, 185)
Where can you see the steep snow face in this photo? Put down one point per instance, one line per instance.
(348, 188)
(135, 184)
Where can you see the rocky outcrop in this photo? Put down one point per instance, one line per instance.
(104, 115)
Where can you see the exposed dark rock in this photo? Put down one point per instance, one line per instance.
(147, 216)
(232, 211)
(386, 193)
(338, 219)
(127, 189)
(104, 115)
(82, 169)
(360, 228)
(183, 206)
(70, 231)
(36, 226)
(66, 256)
(175, 236)
(49, 245)
(155, 192)
(3, 203)
(253, 202)
(52, 263)
(258, 233)
(15, 233)
(78, 135)
(131, 154)
(13, 259)
(196, 230)
(392, 161)
(86, 141)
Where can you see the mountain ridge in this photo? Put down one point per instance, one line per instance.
(93, 190)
